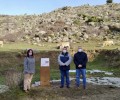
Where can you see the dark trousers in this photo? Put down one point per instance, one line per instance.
(65, 73)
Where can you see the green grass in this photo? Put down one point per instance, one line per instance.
(2, 79)
(23, 46)
(100, 65)
(13, 94)
(90, 45)
(54, 74)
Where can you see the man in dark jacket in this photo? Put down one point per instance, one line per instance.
(64, 60)
(80, 60)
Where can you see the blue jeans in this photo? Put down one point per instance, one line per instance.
(65, 73)
(78, 73)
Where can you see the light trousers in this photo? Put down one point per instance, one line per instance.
(27, 81)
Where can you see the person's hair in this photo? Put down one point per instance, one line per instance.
(29, 51)
(64, 47)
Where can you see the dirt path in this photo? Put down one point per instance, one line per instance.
(93, 92)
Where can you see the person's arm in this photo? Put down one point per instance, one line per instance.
(25, 64)
(59, 61)
(69, 61)
(85, 60)
(75, 60)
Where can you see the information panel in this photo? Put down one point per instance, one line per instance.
(45, 62)
(45, 72)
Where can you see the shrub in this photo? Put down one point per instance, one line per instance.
(94, 19)
(77, 22)
(109, 1)
(13, 78)
(64, 8)
(79, 15)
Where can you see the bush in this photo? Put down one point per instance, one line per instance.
(94, 19)
(13, 78)
(109, 1)
(79, 15)
(64, 8)
(77, 22)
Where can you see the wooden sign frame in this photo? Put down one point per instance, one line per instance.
(45, 72)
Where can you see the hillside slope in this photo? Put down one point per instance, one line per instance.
(65, 24)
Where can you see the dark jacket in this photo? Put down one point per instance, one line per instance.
(80, 58)
(64, 61)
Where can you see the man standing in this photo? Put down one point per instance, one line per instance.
(80, 60)
(64, 60)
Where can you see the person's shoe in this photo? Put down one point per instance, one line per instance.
(68, 86)
(84, 87)
(26, 91)
(61, 86)
(77, 86)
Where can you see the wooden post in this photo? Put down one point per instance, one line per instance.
(45, 72)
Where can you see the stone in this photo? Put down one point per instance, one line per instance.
(85, 36)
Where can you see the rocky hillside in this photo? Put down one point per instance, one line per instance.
(65, 24)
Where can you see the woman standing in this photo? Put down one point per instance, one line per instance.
(29, 69)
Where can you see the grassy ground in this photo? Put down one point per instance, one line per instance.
(23, 46)
(90, 45)
(93, 92)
